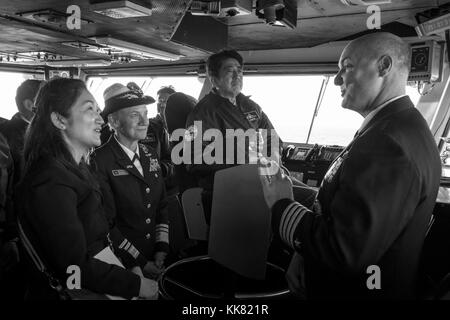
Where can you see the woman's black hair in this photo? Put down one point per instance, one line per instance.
(45, 141)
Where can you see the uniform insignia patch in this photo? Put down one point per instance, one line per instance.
(120, 172)
(147, 152)
(190, 133)
(144, 148)
(129, 96)
(154, 165)
(252, 116)
(335, 167)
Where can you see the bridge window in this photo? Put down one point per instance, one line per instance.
(9, 82)
(290, 101)
(149, 85)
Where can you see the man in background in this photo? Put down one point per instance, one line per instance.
(157, 136)
(14, 129)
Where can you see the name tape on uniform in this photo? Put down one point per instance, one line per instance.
(120, 172)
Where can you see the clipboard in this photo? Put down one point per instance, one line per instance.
(240, 228)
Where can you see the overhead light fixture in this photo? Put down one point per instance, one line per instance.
(364, 2)
(142, 51)
(32, 57)
(83, 46)
(17, 58)
(4, 60)
(66, 73)
(231, 8)
(42, 58)
(79, 63)
(221, 9)
(121, 9)
(281, 13)
(49, 16)
(205, 8)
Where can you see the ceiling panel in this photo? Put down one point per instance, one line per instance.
(319, 21)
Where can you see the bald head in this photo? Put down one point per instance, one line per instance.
(373, 69)
(377, 45)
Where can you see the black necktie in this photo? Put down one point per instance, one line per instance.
(137, 164)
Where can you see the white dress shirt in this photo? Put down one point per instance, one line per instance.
(375, 111)
(131, 154)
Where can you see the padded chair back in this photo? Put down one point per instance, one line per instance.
(435, 259)
(194, 216)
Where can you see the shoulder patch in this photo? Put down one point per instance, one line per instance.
(252, 116)
(190, 133)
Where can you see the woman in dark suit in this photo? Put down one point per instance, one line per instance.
(59, 202)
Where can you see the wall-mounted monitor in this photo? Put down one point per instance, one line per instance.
(71, 73)
(427, 59)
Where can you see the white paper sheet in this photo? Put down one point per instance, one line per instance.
(106, 255)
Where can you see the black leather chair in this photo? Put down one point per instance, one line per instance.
(435, 260)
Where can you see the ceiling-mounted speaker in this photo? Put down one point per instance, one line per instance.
(120, 9)
(193, 30)
(281, 13)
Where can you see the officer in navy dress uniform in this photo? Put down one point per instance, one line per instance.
(364, 237)
(157, 137)
(131, 180)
